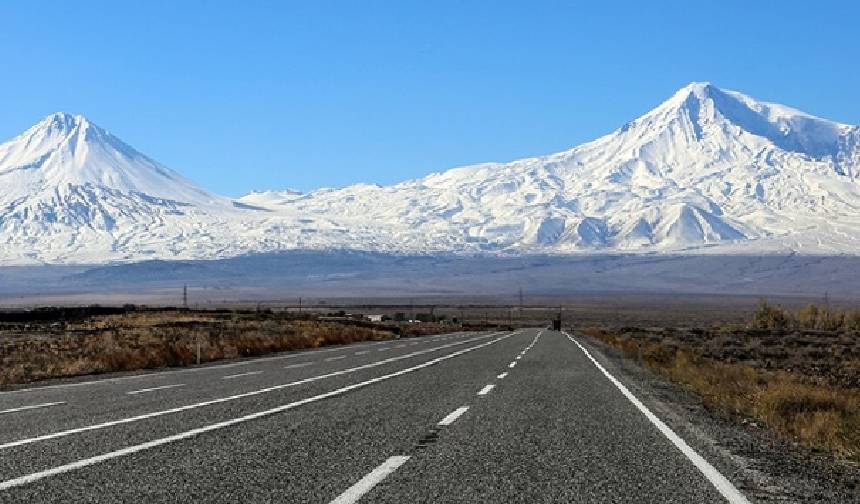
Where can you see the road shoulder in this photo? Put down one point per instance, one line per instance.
(766, 469)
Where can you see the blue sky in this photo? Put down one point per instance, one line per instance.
(253, 95)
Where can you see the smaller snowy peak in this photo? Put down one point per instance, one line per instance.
(61, 127)
(64, 152)
(60, 131)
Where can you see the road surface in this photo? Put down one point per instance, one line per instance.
(531, 416)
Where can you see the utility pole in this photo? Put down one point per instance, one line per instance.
(300, 306)
(521, 299)
(185, 296)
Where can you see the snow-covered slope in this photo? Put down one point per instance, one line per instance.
(707, 170)
(707, 167)
(73, 192)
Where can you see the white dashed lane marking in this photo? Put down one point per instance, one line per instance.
(300, 364)
(153, 389)
(486, 390)
(32, 407)
(249, 373)
(366, 484)
(130, 450)
(454, 415)
(179, 409)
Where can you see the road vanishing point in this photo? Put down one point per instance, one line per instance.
(530, 416)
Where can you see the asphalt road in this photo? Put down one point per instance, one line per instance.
(530, 416)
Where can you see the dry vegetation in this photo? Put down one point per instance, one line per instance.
(804, 384)
(812, 316)
(152, 339)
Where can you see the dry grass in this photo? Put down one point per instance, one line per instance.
(813, 413)
(144, 340)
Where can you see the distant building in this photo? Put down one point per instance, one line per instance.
(374, 318)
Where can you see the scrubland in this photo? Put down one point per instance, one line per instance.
(43, 349)
(794, 372)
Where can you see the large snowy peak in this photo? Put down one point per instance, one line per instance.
(706, 167)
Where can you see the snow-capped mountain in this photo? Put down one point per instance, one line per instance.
(73, 192)
(707, 167)
(707, 170)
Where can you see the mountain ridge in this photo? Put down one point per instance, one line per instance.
(706, 171)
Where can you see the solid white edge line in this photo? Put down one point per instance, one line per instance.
(486, 390)
(454, 415)
(720, 482)
(366, 484)
(153, 389)
(24, 480)
(32, 407)
(234, 397)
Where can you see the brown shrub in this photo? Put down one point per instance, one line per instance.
(158, 339)
(815, 414)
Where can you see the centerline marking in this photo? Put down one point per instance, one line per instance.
(512, 364)
(32, 407)
(501, 376)
(298, 365)
(366, 484)
(339, 357)
(486, 390)
(249, 373)
(158, 374)
(30, 478)
(278, 356)
(454, 415)
(153, 389)
(220, 400)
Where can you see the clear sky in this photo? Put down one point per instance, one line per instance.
(253, 95)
